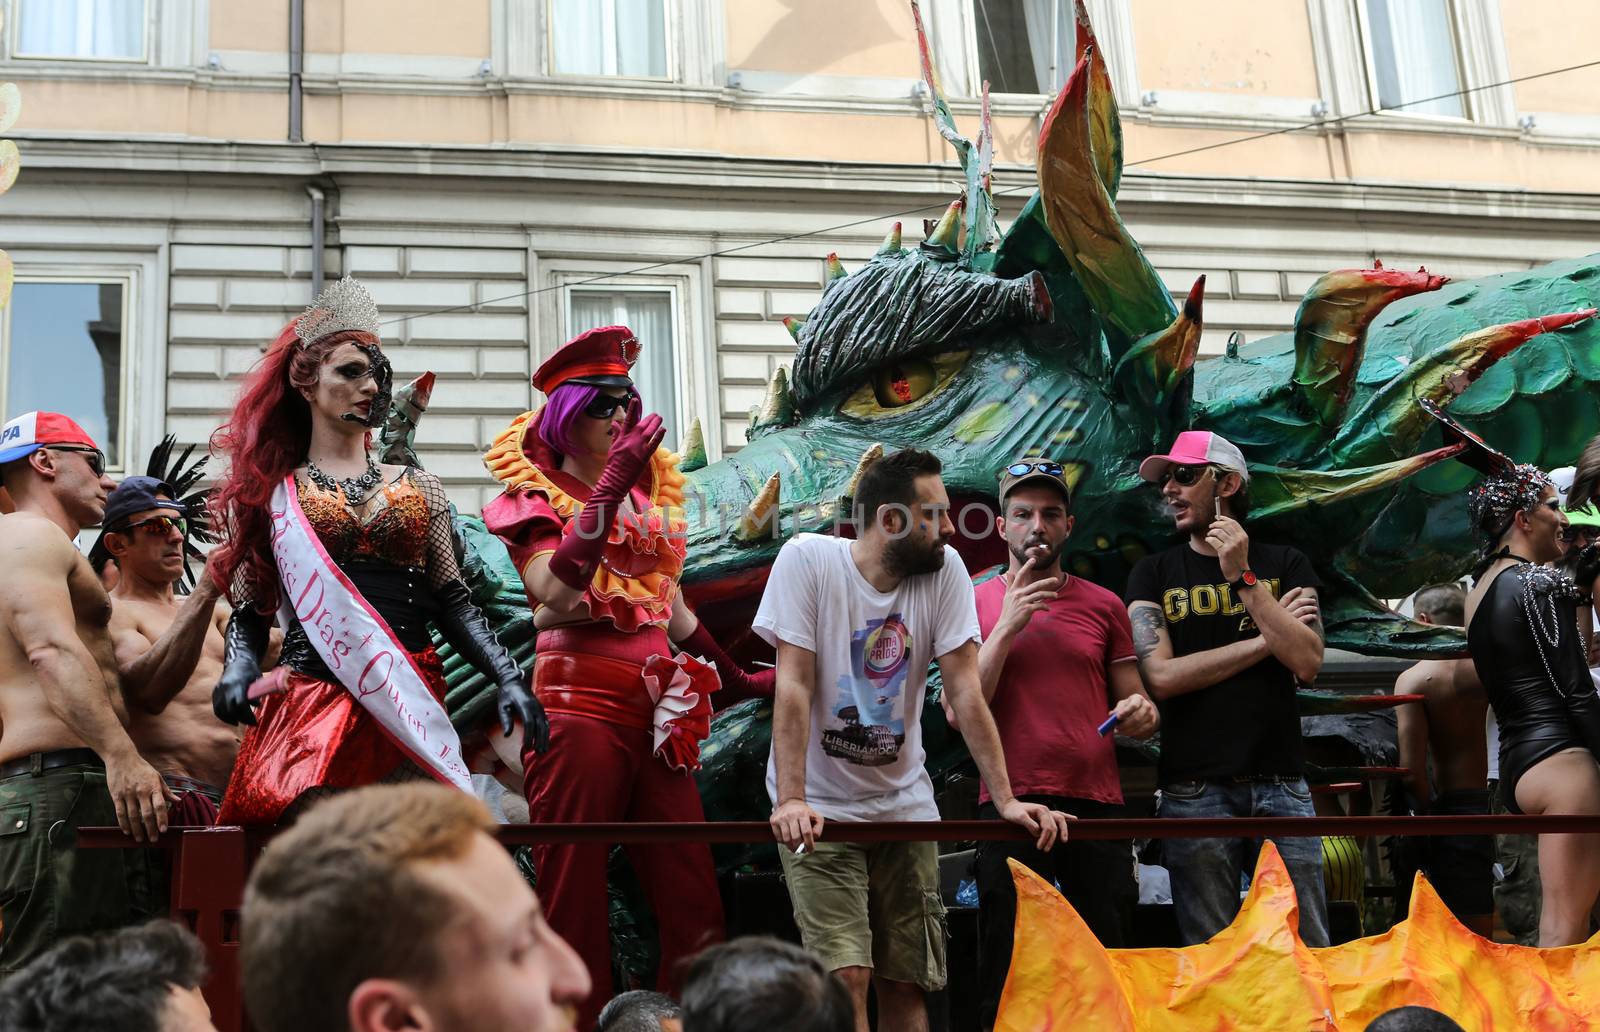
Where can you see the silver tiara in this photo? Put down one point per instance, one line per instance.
(344, 306)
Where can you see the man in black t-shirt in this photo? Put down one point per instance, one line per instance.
(1224, 629)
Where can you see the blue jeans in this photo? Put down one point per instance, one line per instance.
(1206, 872)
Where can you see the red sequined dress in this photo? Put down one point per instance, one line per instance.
(396, 547)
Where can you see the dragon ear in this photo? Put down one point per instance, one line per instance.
(1394, 419)
(1330, 334)
(1328, 501)
(1157, 373)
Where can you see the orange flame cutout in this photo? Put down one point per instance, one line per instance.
(1257, 974)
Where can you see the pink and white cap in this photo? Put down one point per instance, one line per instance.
(1196, 448)
(34, 430)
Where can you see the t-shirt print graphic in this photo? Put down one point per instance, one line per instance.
(870, 726)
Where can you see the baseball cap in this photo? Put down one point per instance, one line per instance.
(1196, 448)
(1583, 516)
(1031, 469)
(31, 431)
(139, 494)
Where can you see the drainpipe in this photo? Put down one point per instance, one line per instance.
(316, 238)
(297, 60)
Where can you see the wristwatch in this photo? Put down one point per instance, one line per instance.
(1247, 579)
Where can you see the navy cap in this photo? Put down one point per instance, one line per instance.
(139, 494)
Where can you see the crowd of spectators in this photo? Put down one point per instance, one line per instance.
(394, 906)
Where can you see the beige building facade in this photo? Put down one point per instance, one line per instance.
(504, 173)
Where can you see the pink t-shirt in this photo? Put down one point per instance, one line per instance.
(1052, 691)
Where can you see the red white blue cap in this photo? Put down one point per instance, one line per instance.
(34, 430)
(1196, 448)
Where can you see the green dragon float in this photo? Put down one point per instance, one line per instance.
(1058, 338)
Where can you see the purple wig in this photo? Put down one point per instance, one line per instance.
(566, 404)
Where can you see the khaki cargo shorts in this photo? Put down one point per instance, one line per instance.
(872, 905)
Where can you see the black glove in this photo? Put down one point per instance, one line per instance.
(243, 646)
(464, 627)
(1586, 566)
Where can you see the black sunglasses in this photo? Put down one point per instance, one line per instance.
(604, 406)
(1022, 469)
(1186, 476)
(161, 525)
(96, 457)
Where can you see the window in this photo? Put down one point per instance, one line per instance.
(1412, 55)
(609, 37)
(649, 314)
(1015, 53)
(101, 30)
(63, 349)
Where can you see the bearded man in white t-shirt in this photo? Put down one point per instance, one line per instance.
(855, 624)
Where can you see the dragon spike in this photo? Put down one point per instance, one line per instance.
(396, 438)
(777, 409)
(1438, 378)
(1157, 372)
(868, 457)
(10, 105)
(891, 242)
(946, 235)
(1276, 492)
(835, 270)
(694, 448)
(1330, 332)
(1121, 286)
(793, 325)
(761, 517)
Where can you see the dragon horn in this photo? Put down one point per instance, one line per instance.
(793, 325)
(1395, 411)
(694, 448)
(760, 518)
(891, 242)
(1330, 332)
(1121, 286)
(835, 269)
(1276, 492)
(946, 235)
(1105, 128)
(868, 457)
(1157, 372)
(777, 409)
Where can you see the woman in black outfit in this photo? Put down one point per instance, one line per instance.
(1527, 625)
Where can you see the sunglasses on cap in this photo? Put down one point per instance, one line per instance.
(96, 457)
(1022, 469)
(159, 525)
(604, 406)
(1186, 476)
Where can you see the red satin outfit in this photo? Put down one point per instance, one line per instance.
(316, 734)
(603, 763)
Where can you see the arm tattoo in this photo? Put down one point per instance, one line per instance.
(1147, 621)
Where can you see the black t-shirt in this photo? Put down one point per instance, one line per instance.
(1247, 724)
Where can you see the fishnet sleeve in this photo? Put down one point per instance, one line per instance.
(442, 565)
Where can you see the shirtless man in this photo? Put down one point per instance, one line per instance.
(169, 654)
(66, 760)
(1448, 727)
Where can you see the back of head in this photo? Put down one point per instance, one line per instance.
(337, 899)
(121, 980)
(1413, 1019)
(1442, 604)
(760, 984)
(891, 480)
(637, 1011)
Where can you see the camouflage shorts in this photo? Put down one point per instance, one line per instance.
(48, 888)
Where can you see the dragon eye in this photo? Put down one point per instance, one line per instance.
(903, 384)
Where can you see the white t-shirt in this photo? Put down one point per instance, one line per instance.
(864, 758)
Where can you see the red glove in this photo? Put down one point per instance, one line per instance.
(578, 554)
(737, 683)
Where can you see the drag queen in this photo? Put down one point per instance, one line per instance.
(356, 560)
(1523, 632)
(591, 516)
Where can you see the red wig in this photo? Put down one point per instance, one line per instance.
(265, 439)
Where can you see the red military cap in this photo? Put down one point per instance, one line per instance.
(602, 357)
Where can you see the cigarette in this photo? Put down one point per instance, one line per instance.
(1107, 724)
(800, 849)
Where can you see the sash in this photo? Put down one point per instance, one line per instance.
(358, 646)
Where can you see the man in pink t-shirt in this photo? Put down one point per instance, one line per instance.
(1057, 661)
